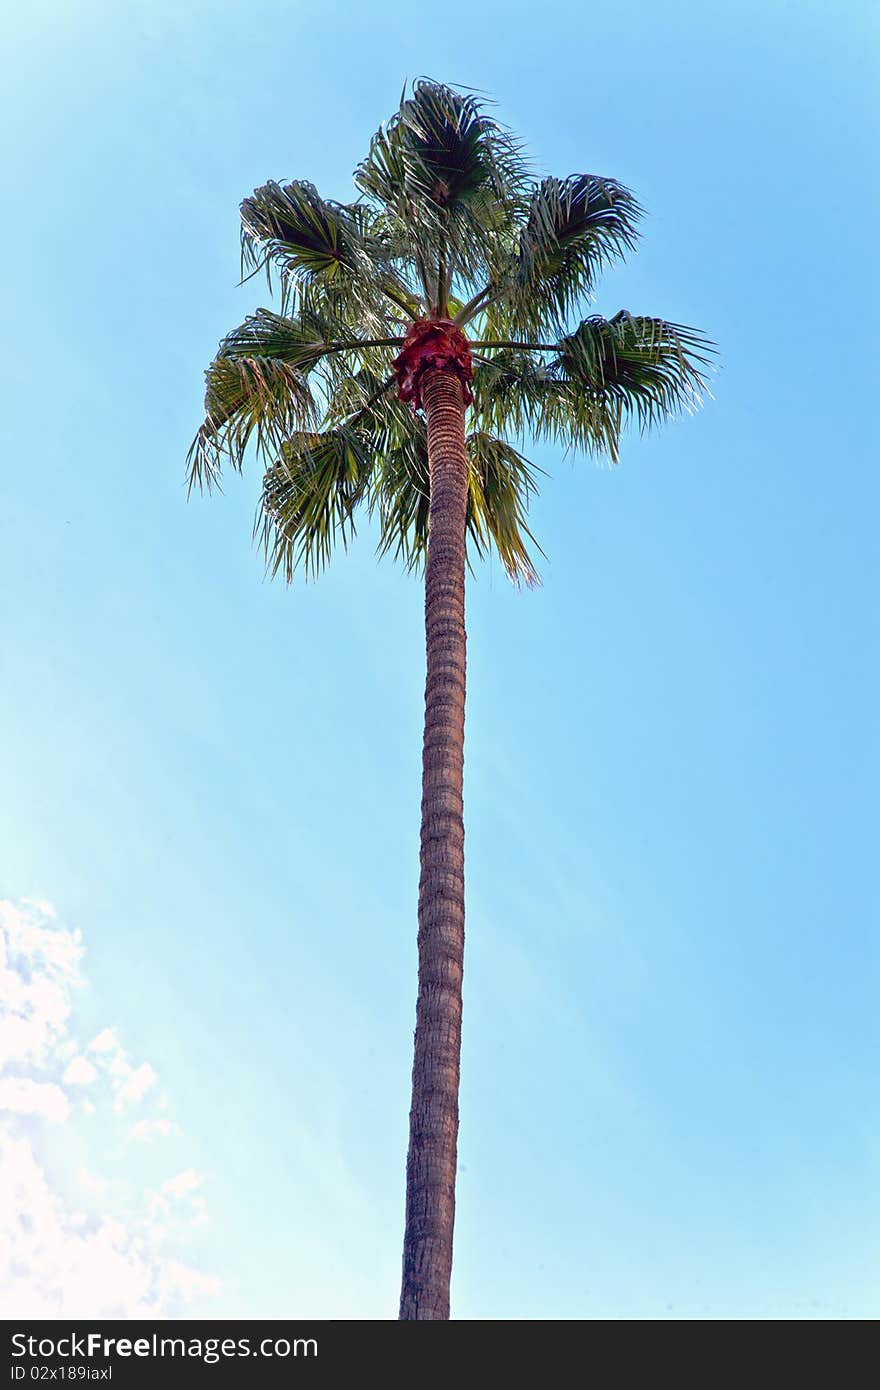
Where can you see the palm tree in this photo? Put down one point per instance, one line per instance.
(422, 328)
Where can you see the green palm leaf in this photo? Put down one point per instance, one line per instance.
(583, 390)
(510, 389)
(630, 367)
(259, 384)
(574, 228)
(320, 245)
(500, 485)
(301, 341)
(247, 398)
(448, 181)
(379, 455)
(309, 496)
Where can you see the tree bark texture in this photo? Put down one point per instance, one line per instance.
(433, 1142)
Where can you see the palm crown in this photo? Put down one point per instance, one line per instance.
(450, 227)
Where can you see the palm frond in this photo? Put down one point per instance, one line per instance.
(630, 367)
(510, 388)
(401, 493)
(320, 244)
(457, 152)
(574, 228)
(583, 390)
(501, 484)
(300, 341)
(449, 180)
(247, 397)
(309, 497)
(258, 386)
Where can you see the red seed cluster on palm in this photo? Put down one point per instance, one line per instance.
(432, 343)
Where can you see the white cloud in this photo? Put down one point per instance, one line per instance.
(147, 1130)
(133, 1086)
(106, 1041)
(79, 1072)
(182, 1185)
(191, 1283)
(44, 908)
(22, 1096)
(179, 1199)
(130, 1083)
(91, 1182)
(78, 1242)
(39, 968)
(65, 1263)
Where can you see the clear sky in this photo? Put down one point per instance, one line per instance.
(669, 1098)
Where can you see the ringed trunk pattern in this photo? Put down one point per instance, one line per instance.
(433, 1142)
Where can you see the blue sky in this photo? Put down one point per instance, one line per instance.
(669, 1104)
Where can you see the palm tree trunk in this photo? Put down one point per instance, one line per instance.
(431, 1162)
